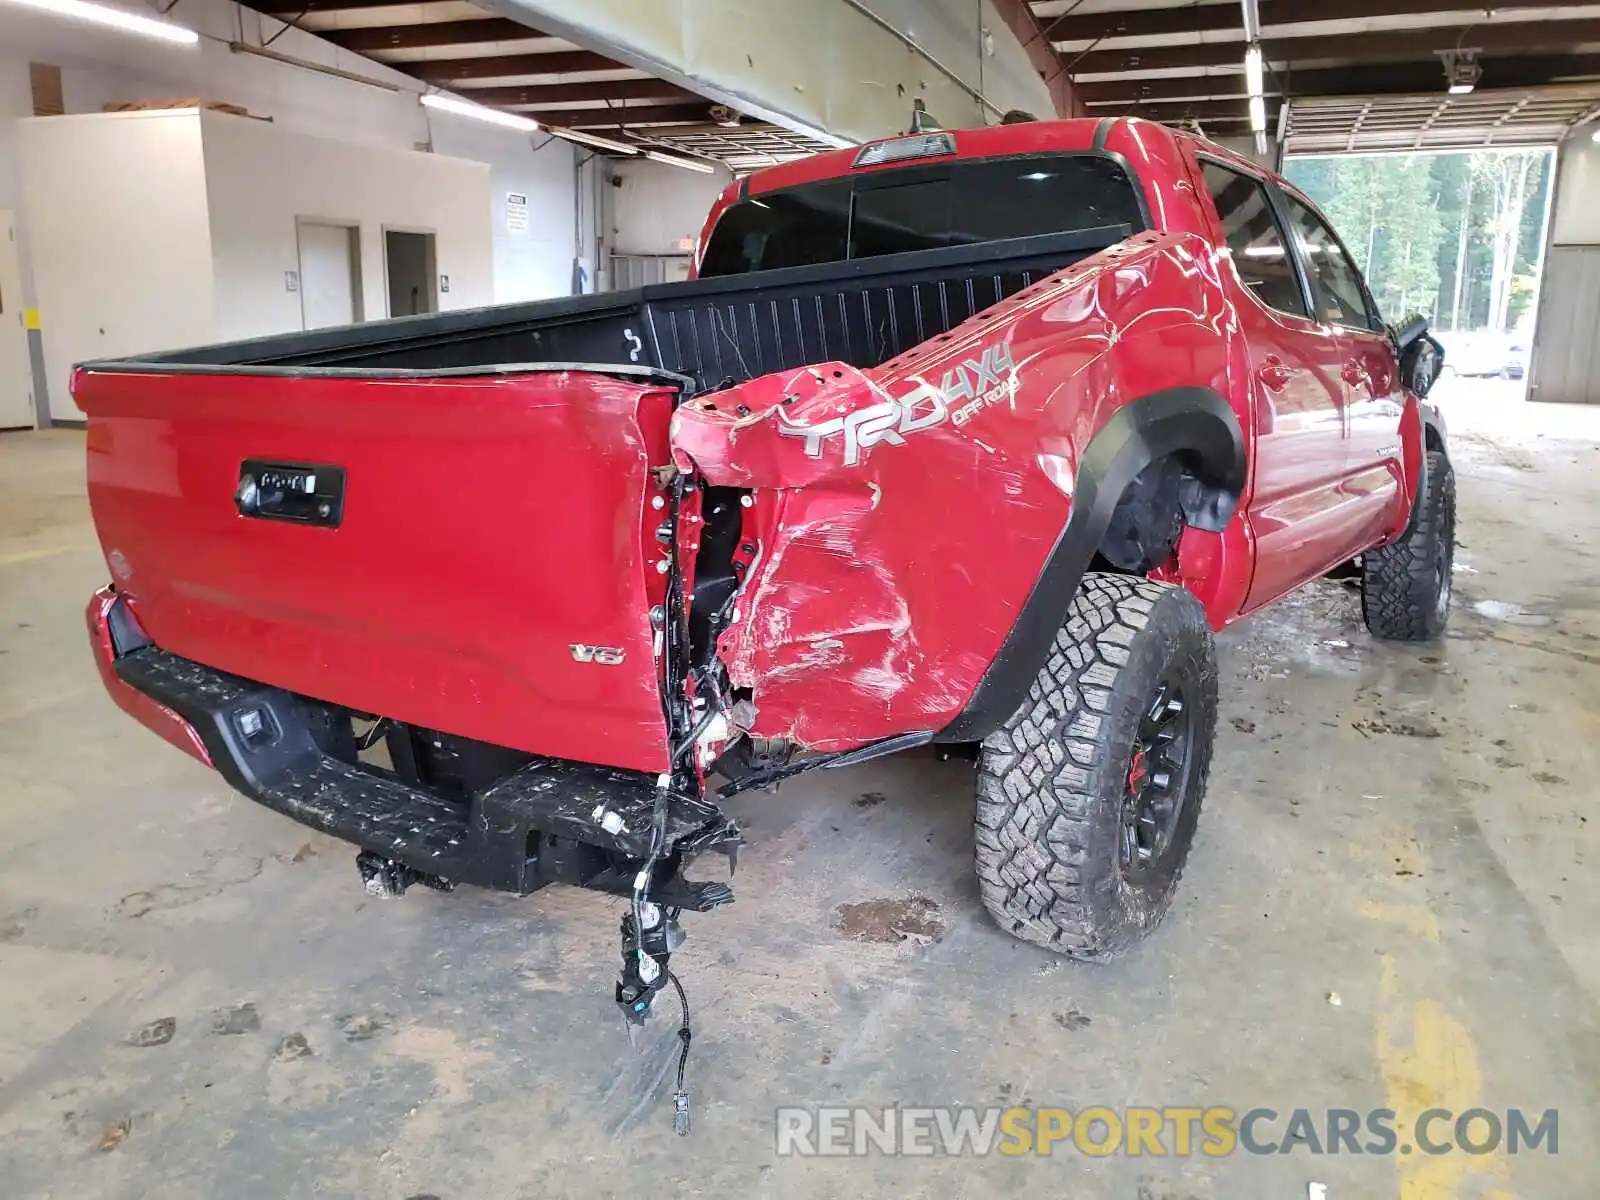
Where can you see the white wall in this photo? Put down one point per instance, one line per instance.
(101, 66)
(656, 204)
(152, 231)
(1577, 197)
(259, 179)
(536, 262)
(119, 237)
(1566, 340)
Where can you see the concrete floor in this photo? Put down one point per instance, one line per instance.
(1403, 829)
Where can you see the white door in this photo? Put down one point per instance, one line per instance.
(16, 375)
(329, 275)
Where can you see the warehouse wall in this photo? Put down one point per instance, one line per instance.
(655, 205)
(259, 179)
(1565, 367)
(532, 260)
(101, 66)
(123, 268)
(1577, 198)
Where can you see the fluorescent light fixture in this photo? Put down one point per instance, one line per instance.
(115, 18)
(1258, 115)
(465, 108)
(1254, 74)
(592, 139)
(672, 160)
(1461, 89)
(1595, 136)
(1252, 20)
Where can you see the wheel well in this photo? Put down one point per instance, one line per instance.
(1432, 439)
(1167, 494)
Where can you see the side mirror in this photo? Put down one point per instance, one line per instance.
(1420, 363)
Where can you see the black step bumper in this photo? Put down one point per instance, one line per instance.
(548, 821)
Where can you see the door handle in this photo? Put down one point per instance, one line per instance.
(1275, 373)
(1355, 374)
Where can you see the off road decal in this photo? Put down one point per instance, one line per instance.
(965, 390)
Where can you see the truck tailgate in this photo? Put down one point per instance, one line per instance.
(486, 569)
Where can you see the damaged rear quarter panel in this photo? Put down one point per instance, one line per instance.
(902, 514)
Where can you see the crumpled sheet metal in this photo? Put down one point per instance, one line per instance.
(902, 514)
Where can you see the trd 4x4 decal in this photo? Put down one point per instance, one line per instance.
(965, 390)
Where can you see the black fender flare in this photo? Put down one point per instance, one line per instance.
(1434, 434)
(1434, 437)
(1195, 421)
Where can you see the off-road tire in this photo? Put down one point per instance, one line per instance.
(1405, 586)
(1053, 780)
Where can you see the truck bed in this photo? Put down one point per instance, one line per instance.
(715, 332)
(454, 521)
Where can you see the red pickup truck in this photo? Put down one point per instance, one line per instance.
(965, 437)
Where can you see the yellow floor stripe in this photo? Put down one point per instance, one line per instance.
(1427, 1057)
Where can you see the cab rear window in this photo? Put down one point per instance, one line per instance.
(922, 208)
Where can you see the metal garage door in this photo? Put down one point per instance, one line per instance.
(1566, 352)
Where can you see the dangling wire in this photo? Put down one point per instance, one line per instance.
(680, 1098)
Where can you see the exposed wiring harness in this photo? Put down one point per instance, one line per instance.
(680, 1098)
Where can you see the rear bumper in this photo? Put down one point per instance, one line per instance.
(537, 825)
(104, 607)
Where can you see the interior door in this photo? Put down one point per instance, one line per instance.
(1374, 397)
(330, 291)
(16, 374)
(409, 263)
(1297, 395)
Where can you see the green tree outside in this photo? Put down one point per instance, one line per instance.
(1456, 237)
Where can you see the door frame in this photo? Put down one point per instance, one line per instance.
(352, 228)
(433, 282)
(13, 307)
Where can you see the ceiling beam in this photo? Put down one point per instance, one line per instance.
(1042, 55)
(554, 94)
(447, 72)
(1216, 129)
(611, 118)
(1376, 78)
(1202, 110)
(1210, 18)
(378, 38)
(1495, 41)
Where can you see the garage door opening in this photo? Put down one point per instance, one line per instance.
(1456, 236)
(409, 263)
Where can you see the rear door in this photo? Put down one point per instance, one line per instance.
(1297, 395)
(1374, 397)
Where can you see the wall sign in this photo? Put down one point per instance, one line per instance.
(291, 281)
(516, 212)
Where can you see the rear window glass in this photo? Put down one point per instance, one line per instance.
(921, 208)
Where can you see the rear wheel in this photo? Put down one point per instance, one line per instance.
(1405, 586)
(1088, 796)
